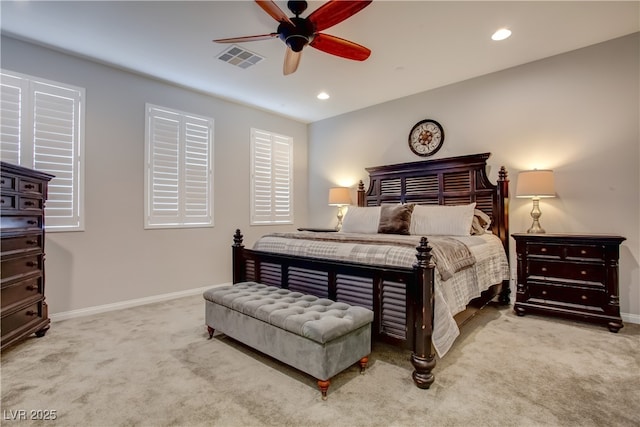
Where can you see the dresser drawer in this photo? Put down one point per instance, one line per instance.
(17, 222)
(568, 294)
(33, 313)
(26, 243)
(14, 268)
(9, 201)
(8, 182)
(31, 203)
(31, 289)
(29, 186)
(566, 270)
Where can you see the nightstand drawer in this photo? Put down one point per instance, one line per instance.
(585, 252)
(546, 250)
(565, 270)
(567, 294)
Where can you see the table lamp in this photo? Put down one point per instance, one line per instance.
(340, 197)
(536, 184)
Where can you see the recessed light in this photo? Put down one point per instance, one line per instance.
(323, 95)
(501, 34)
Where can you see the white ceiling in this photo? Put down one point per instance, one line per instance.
(416, 45)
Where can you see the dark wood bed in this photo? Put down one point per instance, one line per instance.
(401, 298)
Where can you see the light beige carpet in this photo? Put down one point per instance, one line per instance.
(154, 366)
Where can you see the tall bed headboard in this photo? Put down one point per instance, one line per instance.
(448, 181)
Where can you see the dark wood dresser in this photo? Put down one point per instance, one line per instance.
(569, 275)
(23, 306)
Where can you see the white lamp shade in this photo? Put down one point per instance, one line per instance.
(536, 184)
(339, 196)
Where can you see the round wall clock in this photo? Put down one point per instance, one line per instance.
(426, 137)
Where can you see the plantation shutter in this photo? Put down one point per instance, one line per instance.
(11, 90)
(271, 178)
(179, 169)
(41, 128)
(55, 114)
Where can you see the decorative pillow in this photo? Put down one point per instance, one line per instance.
(361, 219)
(434, 220)
(481, 222)
(395, 219)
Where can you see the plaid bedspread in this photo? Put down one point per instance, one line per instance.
(480, 261)
(450, 255)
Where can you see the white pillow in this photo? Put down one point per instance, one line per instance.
(360, 219)
(439, 220)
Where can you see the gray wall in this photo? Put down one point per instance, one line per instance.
(115, 259)
(577, 113)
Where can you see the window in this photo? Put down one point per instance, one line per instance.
(42, 127)
(271, 178)
(179, 169)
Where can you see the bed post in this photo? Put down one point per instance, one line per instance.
(239, 266)
(361, 193)
(423, 357)
(503, 228)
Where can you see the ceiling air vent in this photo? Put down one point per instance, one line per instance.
(240, 57)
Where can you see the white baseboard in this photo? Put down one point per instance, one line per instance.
(630, 318)
(129, 303)
(626, 317)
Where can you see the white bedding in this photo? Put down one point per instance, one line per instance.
(451, 296)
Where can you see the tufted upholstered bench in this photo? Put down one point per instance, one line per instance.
(317, 336)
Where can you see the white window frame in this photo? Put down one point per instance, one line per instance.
(271, 178)
(42, 128)
(174, 181)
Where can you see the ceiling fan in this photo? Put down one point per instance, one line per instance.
(298, 32)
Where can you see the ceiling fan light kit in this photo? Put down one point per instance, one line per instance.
(297, 32)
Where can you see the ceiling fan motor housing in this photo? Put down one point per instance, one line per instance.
(298, 35)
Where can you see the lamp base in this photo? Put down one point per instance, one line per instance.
(536, 214)
(535, 228)
(340, 216)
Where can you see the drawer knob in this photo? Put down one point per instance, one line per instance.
(583, 272)
(583, 297)
(32, 288)
(28, 203)
(31, 313)
(32, 222)
(32, 264)
(29, 186)
(543, 249)
(32, 242)
(544, 269)
(583, 252)
(544, 292)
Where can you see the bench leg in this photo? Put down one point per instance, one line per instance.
(363, 364)
(324, 386)
(211, 331)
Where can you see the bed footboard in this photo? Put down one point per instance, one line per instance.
(401, 298)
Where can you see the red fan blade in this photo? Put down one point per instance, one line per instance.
(340, 47)
(334, 12)
(272, 9)
(247, 38)
(291, 61)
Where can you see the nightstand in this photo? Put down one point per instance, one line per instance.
(574, 276)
